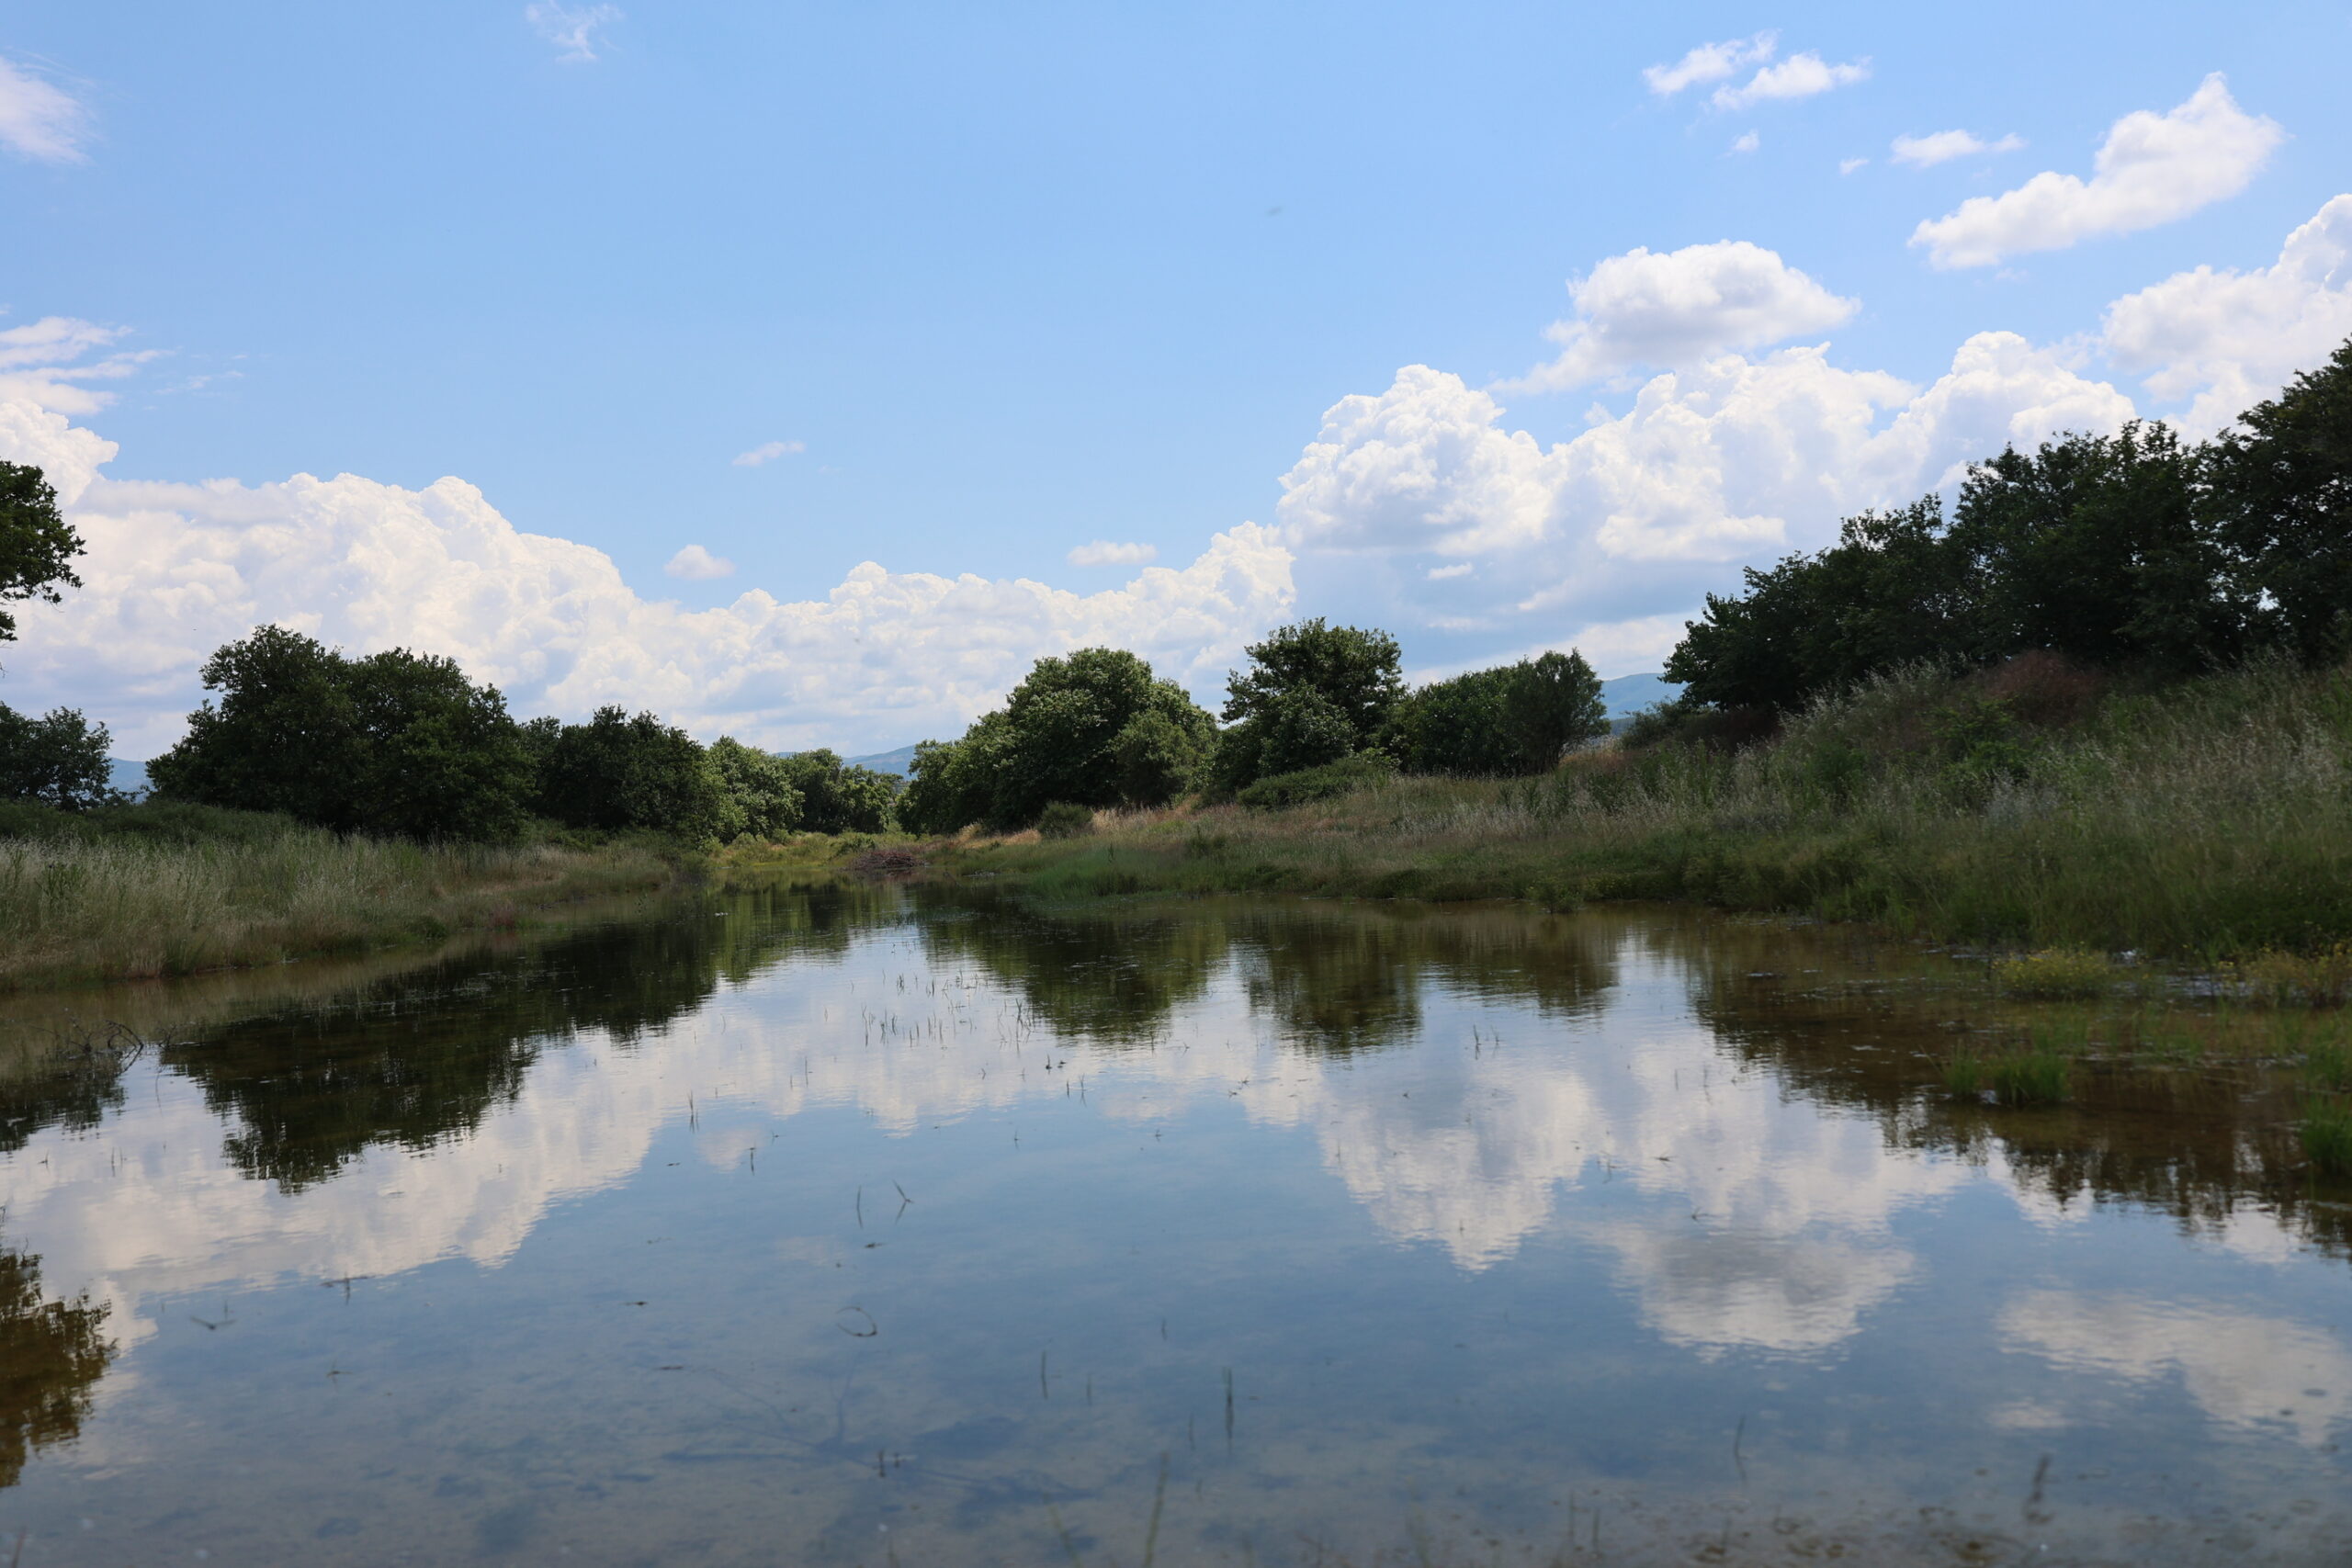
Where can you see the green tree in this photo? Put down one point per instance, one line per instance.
(616, 772)
(436, 756)
(1551, 703)
(59, 760)
(1892, 591)
(2095, 547)
(396, 742)
(760, 796)
(841, 798)
(1354, 672)
(285, 736)
(37, 545)
(2280, 488)
(1515, 718)
(1092, 729)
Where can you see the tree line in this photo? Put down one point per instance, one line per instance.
(2134, 552)
(1320, 708)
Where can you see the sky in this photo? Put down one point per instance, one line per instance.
(803, 372)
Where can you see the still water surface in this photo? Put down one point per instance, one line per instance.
(844, 1226)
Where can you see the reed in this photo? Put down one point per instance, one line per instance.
(2210, 823)
(125, 907)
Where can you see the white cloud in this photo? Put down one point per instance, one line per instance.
(1619, 529)
(1102, 552)
(698, 565)
(1798, 76)
(1747, 141)
(1679, 307)
(2153, 168)
(1848, 166)
(174, 571)
(767, 452)
(38, 120)
(2231, 338)
(1943, 146)
(1447, 573)
(2246, 1371)
(572, 29)
(1710, 62)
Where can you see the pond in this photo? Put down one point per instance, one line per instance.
(870, 1225)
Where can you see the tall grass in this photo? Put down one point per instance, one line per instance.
(127, 906)
(2212, 819)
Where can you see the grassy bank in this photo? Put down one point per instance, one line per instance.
(2033, 807)
(150, 891)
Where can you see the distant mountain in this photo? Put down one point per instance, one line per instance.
(130, 778)
(1629, 694)
(899, 761)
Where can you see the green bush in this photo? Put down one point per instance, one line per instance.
(1307, 784)
(1065, 820)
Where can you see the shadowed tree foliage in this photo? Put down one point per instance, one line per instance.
(1515, 718)
(838, 796)
(2125, 552)
(616, 772)
(58, 760)
(395, 743)
(52, 1356)
(37, 545)
(1093, 728)
(2280, 491)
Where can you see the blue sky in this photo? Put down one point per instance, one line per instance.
(996, 283)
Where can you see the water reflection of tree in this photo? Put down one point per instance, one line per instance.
(51, 1355)
(73, 1086)
(1870, 1031)
(1110, 974)
(1331, 977)
(412, 1061)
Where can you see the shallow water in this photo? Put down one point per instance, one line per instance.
(836, 1225)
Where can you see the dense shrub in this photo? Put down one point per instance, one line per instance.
(1063, 819)
(758, 797)
(1331, 780)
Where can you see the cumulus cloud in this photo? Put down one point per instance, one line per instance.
(768, 452)
(1798, 76)
(1710, 62)
(1102, 552)
(698, 565)
(1943, 146)
(1747, 141)
(38, 120)
(2152, 168)
(1679, 307)
(2229, 339)
(174, 571)
(571, 28)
